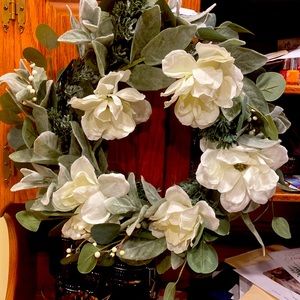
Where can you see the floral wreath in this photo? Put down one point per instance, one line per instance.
(215, 84)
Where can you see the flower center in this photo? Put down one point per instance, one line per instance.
(240, 167)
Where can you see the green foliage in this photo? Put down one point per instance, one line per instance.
(28, 220)
(203, 258)
(222, 132)
(170, 289)
(105, 233)
(87, 260)
(281, 227)
(35, 56)
(46, 36)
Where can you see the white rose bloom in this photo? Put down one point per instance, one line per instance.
(76, 229)
(204, 85)
(178, 220)
(109, 113)
(241, 174)
(84, 189)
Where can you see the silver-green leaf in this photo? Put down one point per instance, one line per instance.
(281, 227)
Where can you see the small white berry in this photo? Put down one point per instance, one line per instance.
(34, 72)
(30, 78)
(68, 250)
(32, 65)
(138, 225)
(34, 99)
(122, 252)
(254, 118)
(95, 244)
(252, 132)
(78, 235)
(249, 119)
(29, 87)
(32, 91)
(112, 254)
(97, 254)
(68, 255)
(114, 249)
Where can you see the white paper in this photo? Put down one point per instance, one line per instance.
(292, 54)
(289, 260)
(272, 278)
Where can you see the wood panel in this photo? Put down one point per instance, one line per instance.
(12, 44)
(193, 4)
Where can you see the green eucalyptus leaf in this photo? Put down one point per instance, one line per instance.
(9, 117)
(87, 260)
(203, 259)
(148, 78)
(28, 220)
(255, 96)
(14, 138)
(247, 60)
(271, 84)
(46, 36)
(170, 290)
(8, 104)
(164, 265)
(210, 34)
(101, 53)
(35, 56)
(142, 249)
(28, 132)
(105, 233)
(102, 161)
(70, 259)
(147, 27)
(281, 227)
(209, 237)
(166, 41)
(151, 192)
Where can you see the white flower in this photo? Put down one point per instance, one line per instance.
(241, 174)
(109, 113)
(76, 229)
(204, 85)
(87, 192)
(178, 220)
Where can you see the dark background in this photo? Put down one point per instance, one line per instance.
(269, 20)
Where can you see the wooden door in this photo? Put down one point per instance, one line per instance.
(12, 44)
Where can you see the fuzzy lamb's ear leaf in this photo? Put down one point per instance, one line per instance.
(166, 41)
(140, 75)
(75, 36)
(46, 36)
(28, 132)
(101, 53)
(170, 290)
(248, 60)
(147, 27)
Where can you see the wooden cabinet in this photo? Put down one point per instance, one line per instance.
(292, 139)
